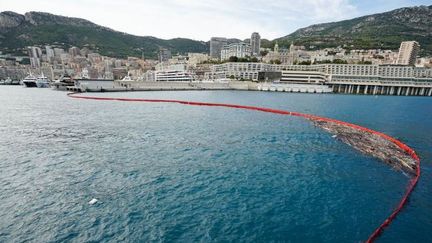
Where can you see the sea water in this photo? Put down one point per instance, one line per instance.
(169, 172)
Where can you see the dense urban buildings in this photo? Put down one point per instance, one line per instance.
(408, 53)
(221, 49)
(296, 64)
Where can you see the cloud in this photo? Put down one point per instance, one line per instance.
(197, 19)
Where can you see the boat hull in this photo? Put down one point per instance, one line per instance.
(30, 84)
(42, 85)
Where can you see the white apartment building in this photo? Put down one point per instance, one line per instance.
(176, 72)
(240, 49)
(237, 70)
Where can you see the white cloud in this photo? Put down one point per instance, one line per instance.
(197, 19)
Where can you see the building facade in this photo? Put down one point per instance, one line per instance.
(328, 73)
(342, 78)
(255, 44)
(216, 45)
(240, 49)
(35, 54)
(164, 55)
(408, 53)
(175, 72)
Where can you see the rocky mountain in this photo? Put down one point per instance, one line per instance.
(383, 30)
(36, 28)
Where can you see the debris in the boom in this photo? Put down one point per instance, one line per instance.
(371, 144)
(93, 201)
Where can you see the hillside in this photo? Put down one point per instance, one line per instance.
(384, 30)
(36, 28)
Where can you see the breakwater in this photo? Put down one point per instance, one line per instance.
(121, 86)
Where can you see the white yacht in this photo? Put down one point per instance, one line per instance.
(30, 81)
(42, 81)
(63, 82)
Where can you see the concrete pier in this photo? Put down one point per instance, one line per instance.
(383, 89)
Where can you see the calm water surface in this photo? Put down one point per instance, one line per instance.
(167, 172)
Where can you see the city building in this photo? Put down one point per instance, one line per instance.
(74, 51)
(175, 72)
(49, 53)
(148, 76)
(196, 58)
(236, 70)
(408, 53)
(325, 73)
(240, 49)
(255, 44)
(278, 55)
(35, 53)
(303, 77)
(216, 45)
(164, 54)
(58, 52)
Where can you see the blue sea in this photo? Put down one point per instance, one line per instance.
(176, 173)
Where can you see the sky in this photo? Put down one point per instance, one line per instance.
(203, 19)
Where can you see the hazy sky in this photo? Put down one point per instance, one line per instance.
(202, 19)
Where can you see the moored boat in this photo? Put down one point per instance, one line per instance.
(30, 81)
(63, 83)
(42, 81)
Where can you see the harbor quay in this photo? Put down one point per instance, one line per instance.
(344, 88)
(120, 86)
(336, 78)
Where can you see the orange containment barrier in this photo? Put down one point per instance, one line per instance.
(412, 182)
